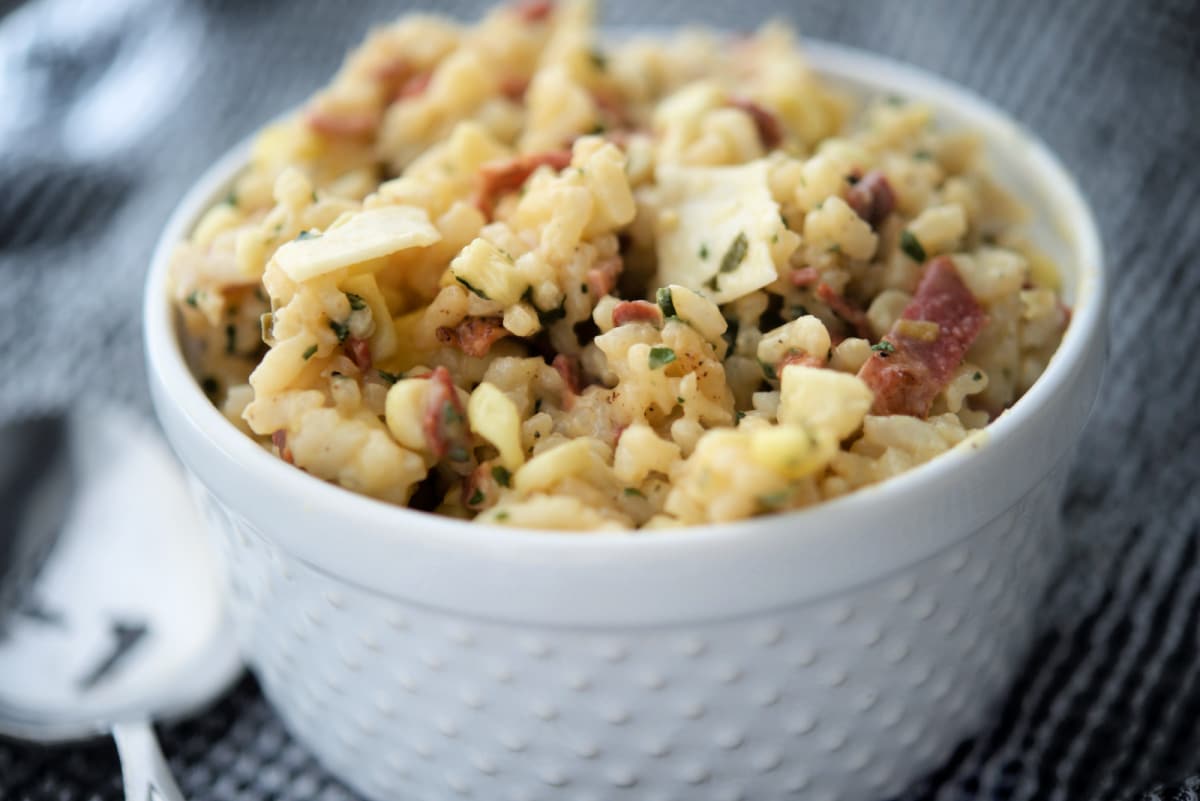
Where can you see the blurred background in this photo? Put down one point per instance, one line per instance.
(110, 109)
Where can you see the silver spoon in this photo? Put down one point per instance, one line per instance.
(110, 606)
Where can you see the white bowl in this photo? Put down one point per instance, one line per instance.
(836, 652)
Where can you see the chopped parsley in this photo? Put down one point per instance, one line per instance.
(665, 301)
(713, 283)
(230, 338)
(314, 196)
(774, 500)
(356, 301)
(583, 288)
(501, 517)
(679, 399)
(912, 246)
(783, 218)
(308, 354)
(768, 370)
(634, 492)
(736, 253)
(471, 289)
(834, 248)
(799, 310)
(391, 378)
(738, 415)
(884, 348)
(450, 414)
(193, 298)
(341, 329)
(300, 237)
(894, 100)
(598, 58)
(923, 155)
(502, 476)
(598, 129)
(703, 250)
(476, 498)
(231, 199)
(210, 386)
(978, 376)
(458, 454)
(661, 356)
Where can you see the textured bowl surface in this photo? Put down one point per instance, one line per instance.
(837, 652)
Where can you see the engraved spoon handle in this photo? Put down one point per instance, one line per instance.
(145, 771)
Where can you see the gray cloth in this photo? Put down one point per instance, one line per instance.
(111, 109)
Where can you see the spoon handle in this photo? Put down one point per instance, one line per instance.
(147, 777)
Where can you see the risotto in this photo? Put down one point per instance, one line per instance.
(511, 273)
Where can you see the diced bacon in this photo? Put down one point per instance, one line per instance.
(499, 177)
(872, 198)
(474, 336)
(1064, 312)
(636, 311)
(533, 10)
(853, 316)
(445, 422)
(360, 125)
(908, 376)
(602, 278)
(770, 132)
(568, 368)
(279, 440)
(414, 86)
(801, 358)
(805, 276)
(514, 87)
(359, 351)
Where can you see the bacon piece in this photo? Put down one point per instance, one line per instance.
(514, 87)
(568, 367)
(770, 132)
(414, 86)
(533, 10)
(636, 311)
(801, 358)
(359, 351)
(907, 377)
(872, 198)
(279, 440)
(474, 336)
(360, 125)
(445, 422)
(603, 276)
(499, 177)
(853, 316)
(805, 276)
(479, 489)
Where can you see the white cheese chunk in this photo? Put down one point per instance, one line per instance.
(716, 229)
(364, 236)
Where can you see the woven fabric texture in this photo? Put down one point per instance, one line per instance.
(1108, 703)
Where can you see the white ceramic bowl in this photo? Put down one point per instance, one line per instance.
(836, 652)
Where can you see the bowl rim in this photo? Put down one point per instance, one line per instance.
(829, 60)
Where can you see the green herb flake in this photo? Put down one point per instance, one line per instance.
(884, 348)
(912, 246)
(735, 254)
(665, 301)
(598, 129)
(923, 155)
(450, 414)
(471, 289)
(476, 498)
(634, 492)
(799, 310)
(231, 199)
(458, 454)
(391, 378)
(502, 476)
(314, 196)
(193, 299)
(739, 415)
(660, 356)
(768, 370)
(598, 58)
(303, 235)
(703, 250)
(834, 248)
(356, 301)
(501, 517)
(978, 376)
(308, 354)
(783, 219)
(341, 329)
(679, 399)
(231, 339)
(894, 100)
(775, 500)
(713, 283)
(210, 386)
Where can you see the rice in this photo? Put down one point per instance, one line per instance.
(503, 272)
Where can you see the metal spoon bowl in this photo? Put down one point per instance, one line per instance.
(111, 611)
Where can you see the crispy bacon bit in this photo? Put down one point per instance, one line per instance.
(359, 351)
(279, 440)
(602, 278)
(853, 316)
(533, 10)
(801, 358)
(872, 198)
(514, 87)
(474, 336)
(414, 86)
(360, 125)
(568, 368)
(908, 373)
(500, 177)
(636, 311)
(445, 422)
(770, 132)
(805, 276)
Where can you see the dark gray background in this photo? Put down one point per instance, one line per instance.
(111, 108)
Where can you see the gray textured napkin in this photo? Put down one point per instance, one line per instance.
(110, 109)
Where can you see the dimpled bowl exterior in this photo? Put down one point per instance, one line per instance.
(836, 653)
